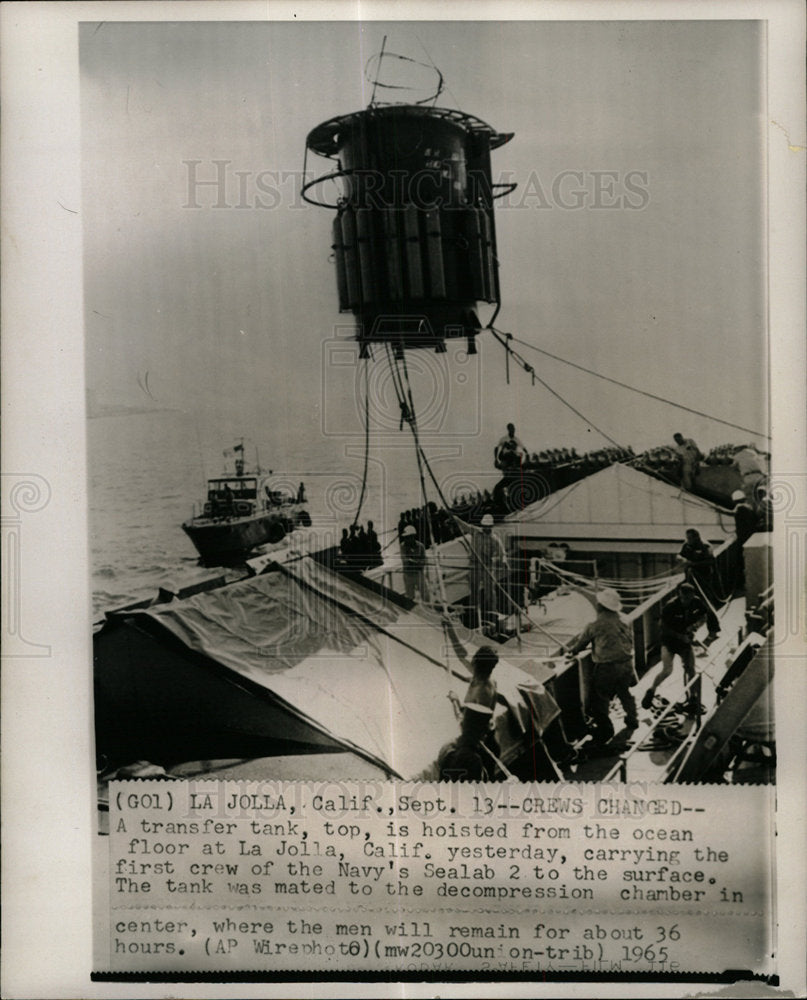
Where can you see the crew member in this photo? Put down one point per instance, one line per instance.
(482, 687)
(745, 517)
(373, 546)
(749, 463)
(680, 618)
(464, 758)
(509, 451)
(611, 641)
(691, 456)
(488, 564)
(701, 570)
(229, 501)
(413, 556)
(481, 690)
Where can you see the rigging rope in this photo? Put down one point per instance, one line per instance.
(402, 392)
(503, 338)
(366, 439)
(633, 388)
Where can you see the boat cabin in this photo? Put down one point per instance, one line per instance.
(230, 496)
(245, 488)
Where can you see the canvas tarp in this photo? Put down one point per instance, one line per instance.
(356, 667)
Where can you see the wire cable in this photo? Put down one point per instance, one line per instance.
(366, 439)
(528, 368)
(633, 388)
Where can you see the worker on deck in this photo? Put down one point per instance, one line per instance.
(680, 618)
(509, 451)
(413, 557)
(373, 547)
(611, 641)
(481, 690)
(701, 570)
(746, 520)
(488, 565)
(749, 462)
(691, 457)
(464, 759)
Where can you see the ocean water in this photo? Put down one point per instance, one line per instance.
(148, 470)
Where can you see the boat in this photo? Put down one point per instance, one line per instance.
(243, 509)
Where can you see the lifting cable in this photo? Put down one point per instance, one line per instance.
(404, 392)
(503, 339)
(406, 402)
(633, 388)
(366, 438)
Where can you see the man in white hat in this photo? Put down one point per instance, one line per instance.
(413, 557)
(488, 566)
(752, 467)
(611, 641)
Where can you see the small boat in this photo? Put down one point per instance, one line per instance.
(244, 509)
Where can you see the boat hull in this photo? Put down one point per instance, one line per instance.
(223, 540)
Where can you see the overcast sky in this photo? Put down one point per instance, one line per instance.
(231, 310)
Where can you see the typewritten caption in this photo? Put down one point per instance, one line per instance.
(505, 878)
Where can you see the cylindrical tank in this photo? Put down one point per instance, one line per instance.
(414, 238)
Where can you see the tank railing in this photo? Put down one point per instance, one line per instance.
(334, 175)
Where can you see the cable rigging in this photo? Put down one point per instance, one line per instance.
(503, 339)
(632, 388)
(366, 439)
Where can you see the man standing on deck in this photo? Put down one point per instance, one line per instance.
(509, 451)
(690, 457)
(413, 557)
(749, 463)
(701, 570)
(488, 564)
(680, 618)
(746, 520)
(611, 640)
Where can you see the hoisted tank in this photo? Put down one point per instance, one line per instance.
(414, 239)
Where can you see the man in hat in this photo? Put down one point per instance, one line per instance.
(680, 617)
(752, 467)
(488, 564)
(413, 557)
(611, 641)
